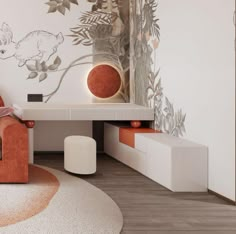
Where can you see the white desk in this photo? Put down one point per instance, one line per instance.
(94, 111)
(98, 111)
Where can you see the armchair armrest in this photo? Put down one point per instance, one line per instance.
(14, 139)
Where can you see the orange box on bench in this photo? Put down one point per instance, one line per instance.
(127, 135)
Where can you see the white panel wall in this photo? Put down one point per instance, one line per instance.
(197, 60)
(50, 135)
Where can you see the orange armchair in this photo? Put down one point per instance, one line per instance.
(14, 157)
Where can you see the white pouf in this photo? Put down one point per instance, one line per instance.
(80, 154)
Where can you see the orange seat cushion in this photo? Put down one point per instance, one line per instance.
(127, 135)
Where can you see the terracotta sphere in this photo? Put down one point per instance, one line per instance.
(29, 123)
(135, 123)
(104, 81)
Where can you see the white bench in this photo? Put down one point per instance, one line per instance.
(175, 163)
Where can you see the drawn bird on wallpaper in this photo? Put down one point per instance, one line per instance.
(37, 45)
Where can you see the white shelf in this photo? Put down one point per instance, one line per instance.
(94, 111)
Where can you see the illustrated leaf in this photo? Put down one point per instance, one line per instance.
(183, 128)
(31, 67)
(44, 66)
(74, 2)
(87, 43)
(157, 73)
(78, 42)
(52, 9)
(32, 75)
(150, 96)
(53, 67)
(167, 102)
(176, 118)
(57, 61)
(149, 20)
(169, 107)
(175, 132)
(158, 86)
(96, 17)
(52, 3)
(72, 35)
(43, 76)
(172, 110)
(166, 109)
(61, 9)
(66, 4)
(38, 66)
(150, 88)
(166, 125)
(180, 132)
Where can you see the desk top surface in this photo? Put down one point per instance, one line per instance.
(93, 111)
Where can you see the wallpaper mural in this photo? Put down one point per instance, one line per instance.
(105, 29)
(146, 88)
(60, 5)
(37, 45)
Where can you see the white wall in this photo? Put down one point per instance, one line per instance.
(50, 135)
(197, 60)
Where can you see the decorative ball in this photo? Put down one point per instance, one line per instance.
(104, 81)
(135, 123)
(29, 123)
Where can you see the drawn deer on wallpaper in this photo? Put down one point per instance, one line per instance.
(37, 45)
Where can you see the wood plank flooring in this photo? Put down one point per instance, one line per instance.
(149, 208)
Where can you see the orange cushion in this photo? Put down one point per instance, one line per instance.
(127, 135)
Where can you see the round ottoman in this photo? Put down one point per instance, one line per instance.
(80, 154)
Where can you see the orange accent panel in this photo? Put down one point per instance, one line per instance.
(127, 135)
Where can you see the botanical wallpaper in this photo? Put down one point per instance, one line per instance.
(105, 28)
(145, 80)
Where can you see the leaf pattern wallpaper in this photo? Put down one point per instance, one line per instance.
(106, 29)
(145, 80)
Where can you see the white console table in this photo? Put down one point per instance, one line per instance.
(30, 112)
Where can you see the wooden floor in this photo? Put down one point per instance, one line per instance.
(149, 208)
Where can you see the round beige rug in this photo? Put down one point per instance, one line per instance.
(56, 202)
(20, 202)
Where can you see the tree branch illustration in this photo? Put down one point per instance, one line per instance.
(73, 64)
